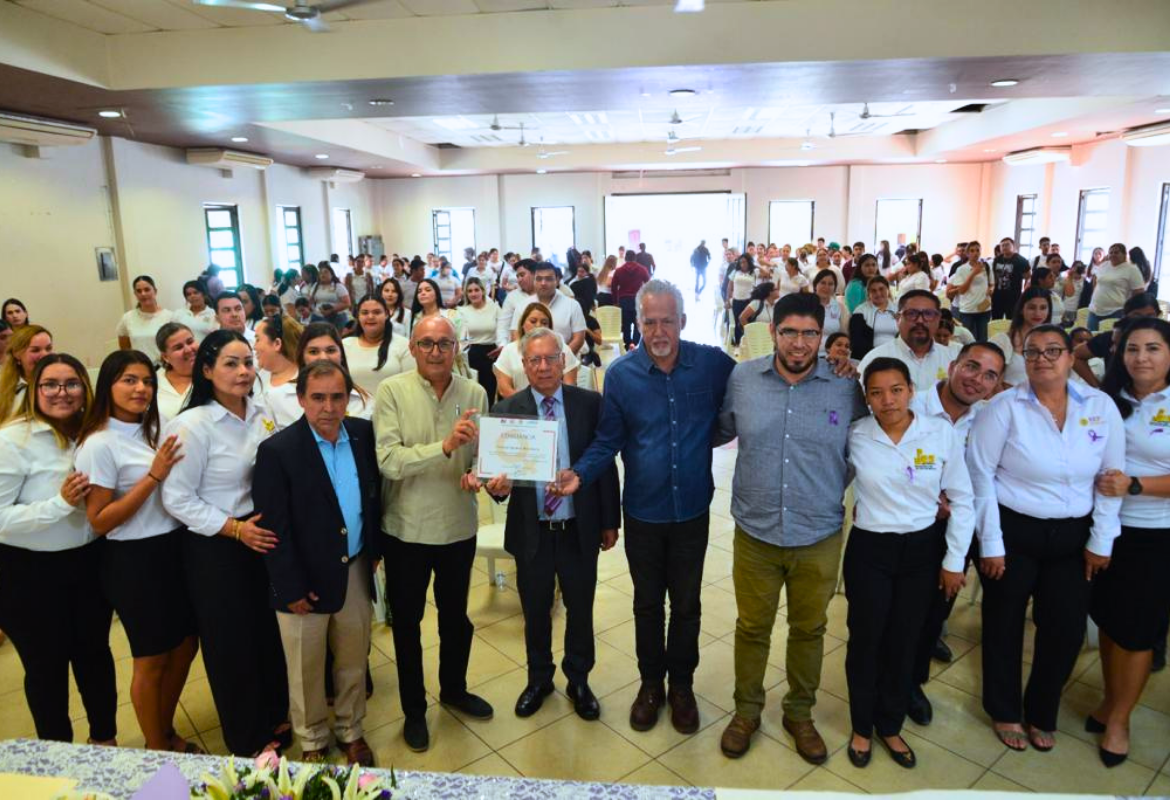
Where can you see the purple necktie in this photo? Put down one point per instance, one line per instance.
(551, 501)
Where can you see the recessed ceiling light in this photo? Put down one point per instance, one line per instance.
(110, 114)
(989, 150)
(239, 138)
(541, 171)
(1060, 134)
(1003, 83)
(321, 156)
(381, 101)
(683, 93)
(1162, 110)
(415, 175)
(940, 161)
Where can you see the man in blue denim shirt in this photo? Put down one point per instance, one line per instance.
(660, 408)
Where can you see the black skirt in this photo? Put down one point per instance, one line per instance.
(143, 580)
(1131, 599)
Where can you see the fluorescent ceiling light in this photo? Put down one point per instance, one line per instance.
(602, 118)
(239, 138)
(989, 150)
(454, 123)
(541, 171)
(688, 6)
(1060, 134)
(110, 114)
(381, 101)
(321, 156)
(1147, 136)
(1004, 83)
(1038, 155)
(415, 175)
(1162, 110)
(683, 93)
(940, 161)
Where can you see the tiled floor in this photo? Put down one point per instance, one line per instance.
(957, 751)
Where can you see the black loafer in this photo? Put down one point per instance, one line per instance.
(942, 652)
(905, 760)
(470, 704)
(860, 758)
(918, 707)
(414, 731)
(584, 701)
(532, 698)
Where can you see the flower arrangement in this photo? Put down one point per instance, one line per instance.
(271, 778)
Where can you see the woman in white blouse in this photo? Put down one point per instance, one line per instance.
(915, 274)
(277, 340)
(509, 367)
(763, 301)
(377, 351)
(391, 293)
(476, 319)
(51, 603)
(971, 287)
(320, 340)
(198, 316)
(141, 565)
(176, 355)
(209, 491)
(898, 554)
(825, 287)
(1131, 599)
(873, 322)
(792, 280)
(743, 281)
(1032, 309)
(138, 326)
(329, 297)
(28, 345)
(449, 288)
(428, 301)
(1034, 453)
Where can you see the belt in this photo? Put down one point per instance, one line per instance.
(557, 524)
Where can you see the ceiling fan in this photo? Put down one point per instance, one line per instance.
(301, 11)
(542, 153)
(673, 141)
(496, 126)
(833, 129)
(865, 113)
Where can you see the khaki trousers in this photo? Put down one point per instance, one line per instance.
(347, 635)
(759, 570)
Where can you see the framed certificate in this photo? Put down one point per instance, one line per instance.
(523, 448)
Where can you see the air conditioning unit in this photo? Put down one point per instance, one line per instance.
(1147, 135)
(1038, 155)
(32, 132)
(334, 175)
(219, 158)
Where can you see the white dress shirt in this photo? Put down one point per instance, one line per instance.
(514, 305)
(170, 402)
(896, 487)
(919, 280)
(362, 360)
(140, 328)
(925, 372)
(282, 403)
(1015, 370)
(33, 514)
(1147, 453)
(213, 482)
(118, 457)
(511, 364)
(200, 324)
(567, 316)
(929, 404)
(1019, 458)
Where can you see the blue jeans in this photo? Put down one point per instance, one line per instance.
(1095, 321)
(976, 322)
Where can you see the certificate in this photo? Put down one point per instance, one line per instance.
(523, 448)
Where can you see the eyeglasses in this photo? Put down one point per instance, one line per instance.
(428, 345)
(920, 314)
(536, 361)
(974, 368)
(51, 388)
(792, 333)
(1050, 353)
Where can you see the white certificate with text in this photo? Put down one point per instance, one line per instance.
(523, 448)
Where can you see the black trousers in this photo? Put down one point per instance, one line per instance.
(229, 591)
(936, 617)
(1044, 563)
(737, 307)
(889, 578)
(52, 608)
(630, 333)
(558, 558)
(666, 559)
(409, 567)
(477, 359)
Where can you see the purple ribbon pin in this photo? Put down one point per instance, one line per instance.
(910, 474)
(833, 418)
(1094, 437)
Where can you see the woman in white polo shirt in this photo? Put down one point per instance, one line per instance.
(51, 603)
(177, 347)
(138, 326)
(199, 316)
(1033, 308)
(896, 558)
(476, 319)
(141, 564)
(377, 350)
(277, 339)
(1034, 453)
(1131, 599)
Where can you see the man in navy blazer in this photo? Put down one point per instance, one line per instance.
(318, 488)
(557, 538)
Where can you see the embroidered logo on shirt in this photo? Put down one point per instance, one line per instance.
(833, 418)
(941, 374)
(1095, 420)
(269, 425)
(923, 460)
(1161, 419)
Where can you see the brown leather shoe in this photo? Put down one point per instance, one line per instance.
(737, 738)
(314, 756)
(644, 712)
(684, 711)
(357, 752)
(809, 743)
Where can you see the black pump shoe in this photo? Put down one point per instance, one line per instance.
(1094, 725)
(906, 760)
(1111, 759)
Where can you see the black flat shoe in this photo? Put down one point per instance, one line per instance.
(918, 707)
(584, 701)
(470, 704)
(906, 759)
(532, 698)
(860, 758)
(1093, 725)
(942, 652)
(414, 731)
(1111, 759)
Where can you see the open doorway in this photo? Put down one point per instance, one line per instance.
(671, 226)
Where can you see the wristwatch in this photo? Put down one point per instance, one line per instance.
(1135, 486)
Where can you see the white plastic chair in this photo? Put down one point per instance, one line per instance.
(756, 341)
(489, 541)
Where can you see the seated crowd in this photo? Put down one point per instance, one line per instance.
(239, 468)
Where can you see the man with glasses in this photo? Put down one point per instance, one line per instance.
(792, 416)
(918, 318)
(567, 317)
(971, 379)
(426, 438)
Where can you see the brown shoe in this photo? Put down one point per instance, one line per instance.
(737, 738)
(315, 756)
(357, 752)
(644, 712)
(809, 743)
(684, 711)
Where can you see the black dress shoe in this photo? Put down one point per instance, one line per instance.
(942, 652)
(532, 698)
(860, 758)
(1111, 759)
(904, 759)
(414, 731)
(470, 704)
(918, 707)
(1094, 725)
(584, 701)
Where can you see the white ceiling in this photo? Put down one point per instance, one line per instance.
(145, 16)
(699, 122)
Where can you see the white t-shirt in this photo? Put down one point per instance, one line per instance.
(792, 284)
(362, 361)
(140, 328)
(567, 316)
(970, 300)
(447, 288)
(919, 280)
(478, 325)
(742, 284)
(282, 403)
(200, 324)
(509, 363)
(118, 457)
(1114, 286)
(1014, 372)
(362, 285)
(885, 328)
